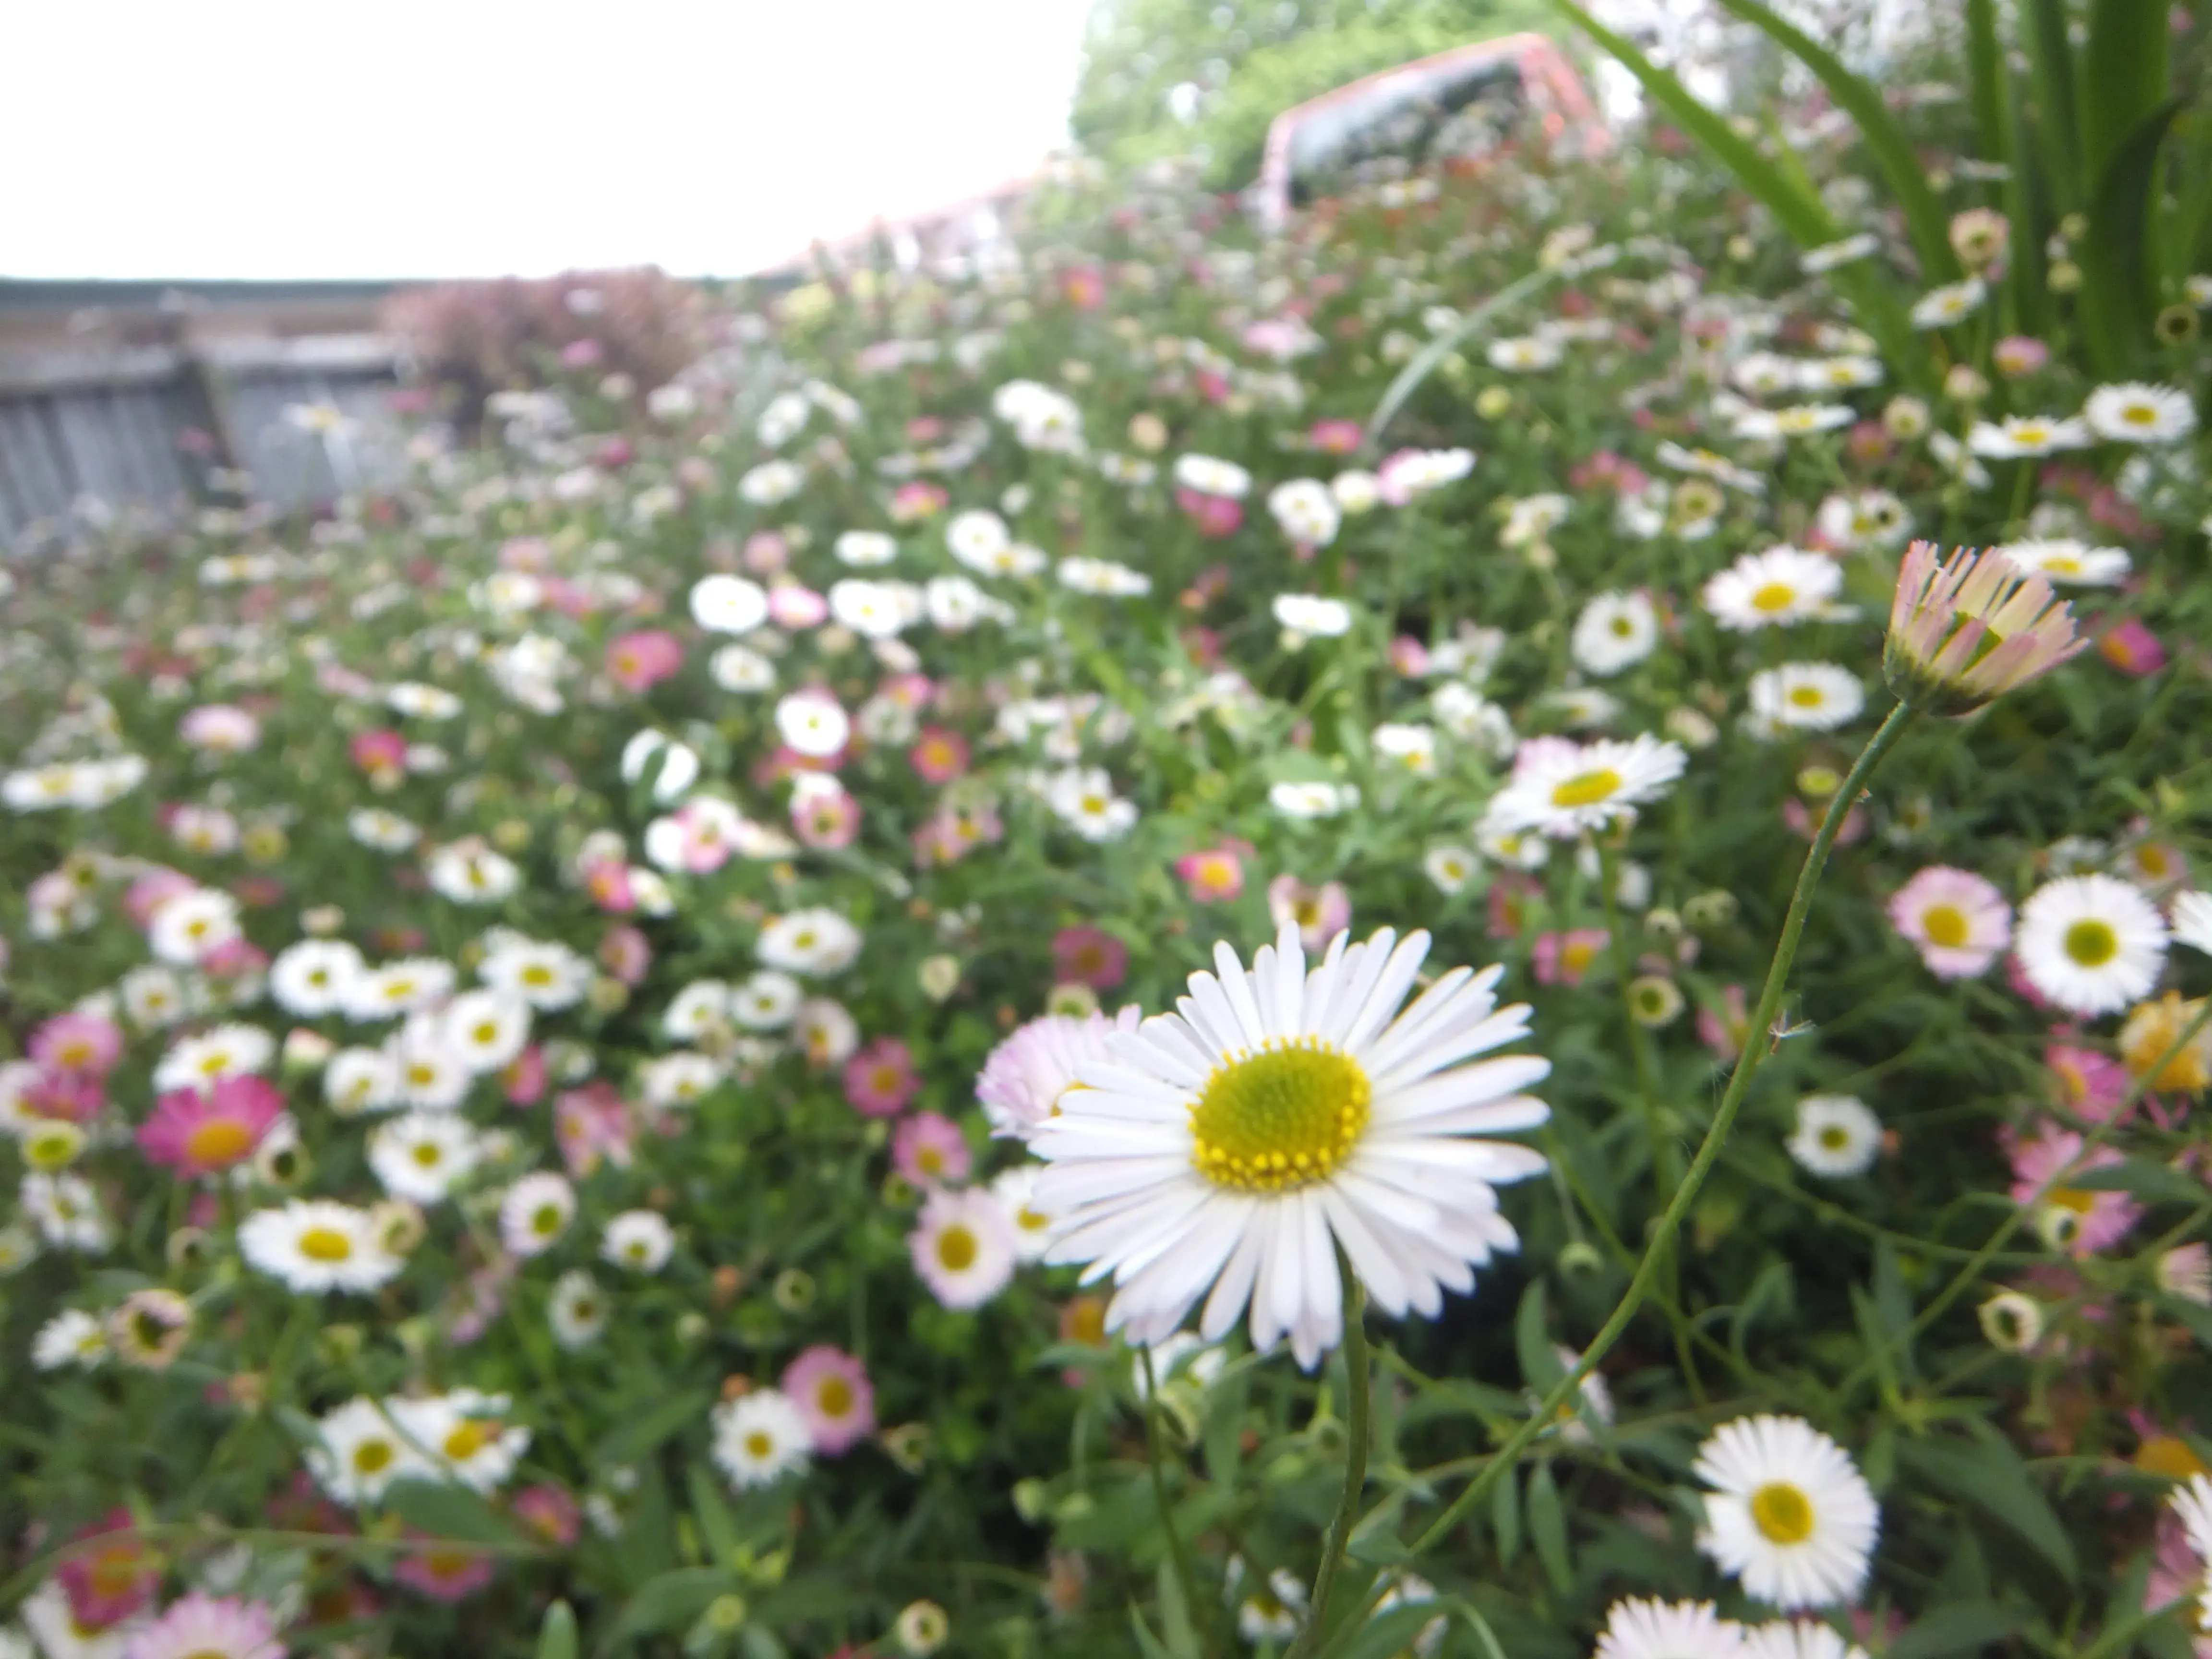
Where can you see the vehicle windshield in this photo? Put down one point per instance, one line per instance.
(1414, 118)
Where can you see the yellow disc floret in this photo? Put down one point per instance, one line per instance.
(1279, 1119)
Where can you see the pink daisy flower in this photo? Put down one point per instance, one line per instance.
(1959, 922)
(790, 605)
(824, 816)
(203, 1624)
(450, 1573)
(879, 1079)
(152, 891)
(1213, 876)
(1088, 955)
(1320, 913)
(938, 755)
(2132, 648)
(2089, 1084)
(380, 753)
(918, 498)
(1564, 958)
(1023, 1077)
(200, 1132)
(524, 1077)
(639, 661)
(107, 1585)
(77, 1043)
(550, 1512)
(1215, 516)
(2074, 1218)
(929, 1150)
(832, 1394)
(626, 953)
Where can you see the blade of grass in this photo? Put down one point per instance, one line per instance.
(2119, 290)
(2124, 78)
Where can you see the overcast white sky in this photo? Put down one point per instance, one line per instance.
(334, 138)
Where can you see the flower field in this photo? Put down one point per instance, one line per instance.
(1358, 947)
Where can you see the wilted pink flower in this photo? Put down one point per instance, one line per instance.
(2076, 1219)
(1213, 875)
(793, 606)
(77, 1042)
(2019, 354)
(1564, 958)
(938, 755)
(2132, 648)
(608, 883)
(1215, 516)
(639, 661)
(1409, 657)
(918, 498)
(1336, 436)
(929, 1150)
(200, 1132)
(380, 753)
(1088, 955)
(625, 953)
(450, 1573)
(832, 1391)
(1964, 631)
(77, 1096)
(549, 1511)
(591, 1123)
(107, 1585)
(823, 815)
(1320, 913)
(524, 1077)
(2089, 1084)
(1958, 922)
(879, 1079)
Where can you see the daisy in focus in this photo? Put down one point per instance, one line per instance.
(1787, 1514)
(2091, 943)
(1223, 1150)
(1562, 788)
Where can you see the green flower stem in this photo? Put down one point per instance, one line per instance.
(1359, 1432)
(1155, 1456)
(1709, 1150)
(1979, 1261)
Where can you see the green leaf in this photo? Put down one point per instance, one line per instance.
(2152, 1183)
(1961, 1627)
(669, 1599)
(1506, 1518)
(2124, 78)
(1181, 1637)
(1892, 149)
(443, 1509)
(1378, 1548)
(556, 1637)
(1547, 1529)
(2119, 298)
(2051, 81)
(1148, 1645)
(644, 1433)
(713, 1513)
(1424, 364)
(1990, 1476)
(1532, 1342)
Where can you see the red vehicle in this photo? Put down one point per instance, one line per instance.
(1461, 104)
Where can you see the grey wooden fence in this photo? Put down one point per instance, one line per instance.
(87, 432)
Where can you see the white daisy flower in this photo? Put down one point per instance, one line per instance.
(2091, 943)
(760, 1437)
(2192, 1505)
(311, 979)
(1103, 577)
(1227, 1145)
(2134, 413)
(1806, 696)
(1954, 302)
(420, 1156)
(428, 702)
(728, 604)
(197, 1062)
(464, 1432)
(71, 1337)
(1449, 867)
(963, 1246)
(639, 1240)
(361, 1451)
(577, 1309)
(65, 1210)
(740, 668)
(1083, 798)
(1312, 616)
(316, 1245)
(766, 1001)
(813, 723)
(430, 1071)
(151, 996)
(2192, 920)
(405, 987)
(189, 926)
(1209, 476)
(1410, 748)
(1562, 788)
(382, 831)
(677, 1079)
(485, 1030)
(863, 548)
(1788, 1513)
(2018, 436)
(1316, 798)
(1776, 588)
(699, 1009)
(1268, 1612)
(1614, 631)
(1305, 510)
(359, 1080)
(812, 941)
(1837, 1135)
(548, 976)
(673, 767)
(1636, 1628)
(2066, 561)
(536, 1212)
(1016, 1192)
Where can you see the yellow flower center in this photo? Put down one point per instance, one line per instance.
(1782, 1512)
(1587, 789)
(537, 973)
(1282, 1118)
(2091, 942)
(371, 1456)
(485, 1032)
(1944, 924)
(471, 1437)
(546, 1220)
(1807, 697)
(219, 1141)
(2166, 1455)
(1774, 596)
(1835, 1138)
(426, 1154)
(757, 1445)
(1029, 1220)
(835, 1397)
(956, 1250)
(326, 1244)
(2140, 415)
(930, 1160)
(2071, 1198)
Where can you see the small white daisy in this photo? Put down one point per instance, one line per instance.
(1774, 589)
(420, 1156)
(963, 1246)
(1636, 1628)
(577, 1309)
(316, 1245)
(536, 1212)
(639, 1240)
(1788, 1513)
(1799, 1638)
(760, 1437)
(2067, 563)
(1614, 631)
(1807, 697)
(2091, 943)
(361, 1451)
(1837, 1135)
(1562, 789)
(2137, 414)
